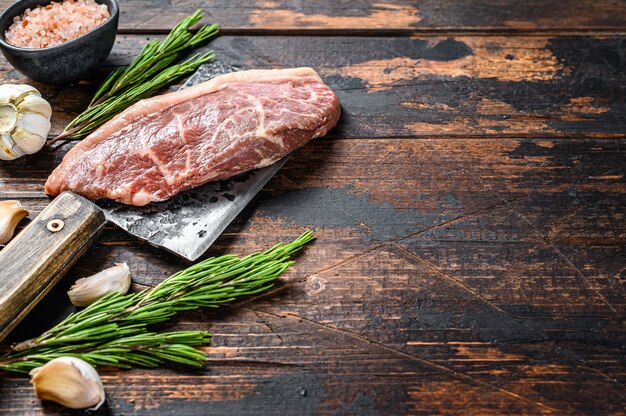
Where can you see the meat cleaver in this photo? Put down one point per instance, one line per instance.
(185, 225)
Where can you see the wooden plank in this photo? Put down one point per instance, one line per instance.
(319, 372)
(570, 190)
(406, 334)
(418, 87)
(473, 276)
(369, 16)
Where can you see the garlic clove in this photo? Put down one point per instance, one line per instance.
(11, 213)
(69, 381)
(5, 93)
(27, 141)
(6, 147)
(33, 103)
(12, 92)
(24, 121)
(18, 150)
(90, 289)
(34, 123)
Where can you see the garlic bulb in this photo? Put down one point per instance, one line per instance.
(24, 121)
(11, 213)
(69, 381)
(89, 289)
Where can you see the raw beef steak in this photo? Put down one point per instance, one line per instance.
(211, 131)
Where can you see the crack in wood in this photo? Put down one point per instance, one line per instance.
(546, 242)
(582, 276)
(268, 326)
(459, 218)
(423, 361)
(448, 277)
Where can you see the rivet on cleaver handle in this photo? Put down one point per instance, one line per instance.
(41, 254)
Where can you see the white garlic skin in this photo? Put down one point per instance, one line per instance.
(11, 213)
(24, 120)
(90, 289)
(69, 381)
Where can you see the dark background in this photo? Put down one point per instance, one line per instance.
(469, 209)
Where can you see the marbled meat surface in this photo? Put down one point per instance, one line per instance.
(215, 130)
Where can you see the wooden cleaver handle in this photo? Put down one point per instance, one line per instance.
(38, 256)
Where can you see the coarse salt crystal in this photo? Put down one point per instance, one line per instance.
(56, 23)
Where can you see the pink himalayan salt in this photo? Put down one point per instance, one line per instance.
(55, 23)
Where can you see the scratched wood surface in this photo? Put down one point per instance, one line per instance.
(363, 17)
(469, 209)
(439, 86)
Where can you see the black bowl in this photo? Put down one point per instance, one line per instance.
(64, 63)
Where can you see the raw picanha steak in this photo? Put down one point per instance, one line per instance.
(211, 131)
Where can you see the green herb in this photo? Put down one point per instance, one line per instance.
(153, 69)
(114, 330)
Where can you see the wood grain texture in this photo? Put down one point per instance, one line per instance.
(398, 187)
(410, 87)
(468, 275)
(38, 257)
(374, 16)
(469, 210)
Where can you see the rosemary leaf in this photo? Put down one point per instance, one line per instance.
(115, 331)
(150, 71)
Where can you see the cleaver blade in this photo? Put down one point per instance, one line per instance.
(191, 221)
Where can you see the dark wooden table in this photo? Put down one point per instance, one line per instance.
(470, 209)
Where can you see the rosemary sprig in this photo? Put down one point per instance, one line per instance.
(146, 349)
(114, 330)
(150, 71)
